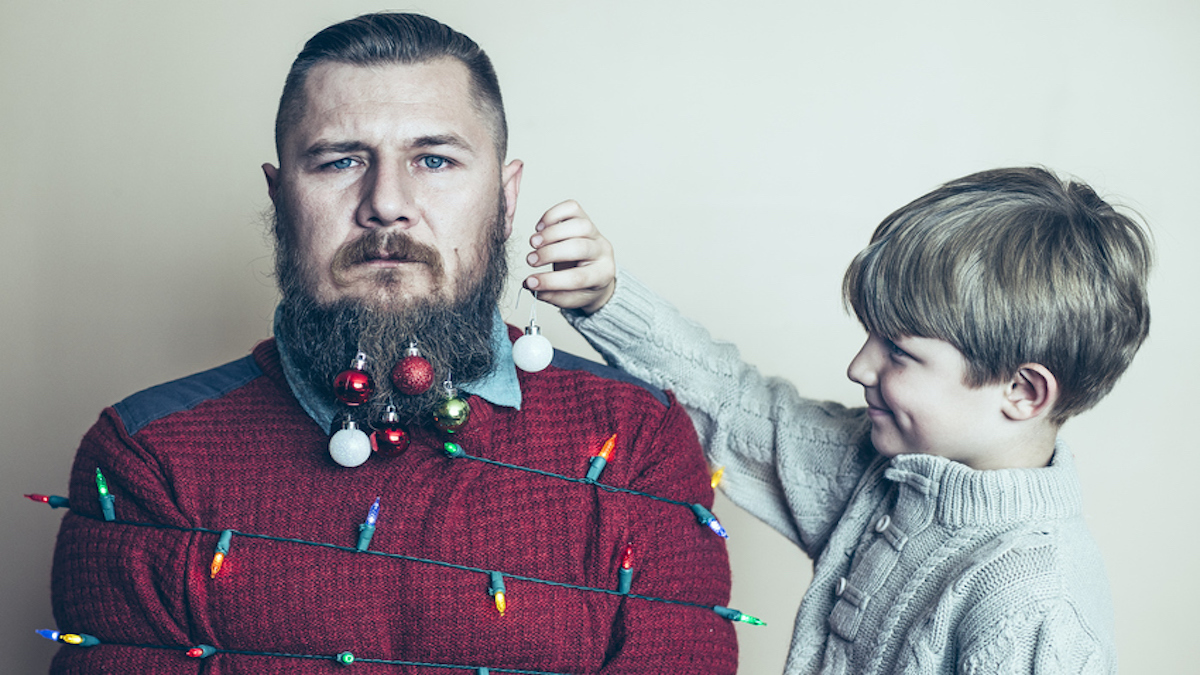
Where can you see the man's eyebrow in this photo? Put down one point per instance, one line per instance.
(331, 148)
(451, 140)
(321, 148)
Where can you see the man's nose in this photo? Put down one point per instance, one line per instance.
(388, 197)
(862, 368)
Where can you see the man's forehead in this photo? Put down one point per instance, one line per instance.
(428, 98)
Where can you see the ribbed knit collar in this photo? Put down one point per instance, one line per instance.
(965, 496)
(499, 386)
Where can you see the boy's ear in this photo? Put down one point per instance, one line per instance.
(1031, 393)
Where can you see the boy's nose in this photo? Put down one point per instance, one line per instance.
(862, 367)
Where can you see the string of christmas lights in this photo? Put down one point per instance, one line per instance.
(703, 515)
(344, 658)
(223, 547)
(495, 587)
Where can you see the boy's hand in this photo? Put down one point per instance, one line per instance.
(584, 275)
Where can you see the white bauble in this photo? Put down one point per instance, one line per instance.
(532, 351)
(350, 446)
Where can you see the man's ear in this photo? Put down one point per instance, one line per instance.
(1031, 393)
(272, 173)
(510, 182)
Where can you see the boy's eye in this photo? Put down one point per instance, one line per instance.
(894, 350)
(433, 161)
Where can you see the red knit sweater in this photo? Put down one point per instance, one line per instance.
(232, 449)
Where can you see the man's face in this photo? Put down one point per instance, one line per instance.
(390, 181)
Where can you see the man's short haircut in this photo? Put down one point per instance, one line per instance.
(1012, 266)
(380, 39)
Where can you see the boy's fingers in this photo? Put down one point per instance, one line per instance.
(560, 212)
(586, 279)
(572, 228)
(572, 250)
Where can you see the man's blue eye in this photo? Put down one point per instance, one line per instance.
(433, 162)
(343, 163)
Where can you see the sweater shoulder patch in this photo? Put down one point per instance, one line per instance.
(568, 361)
(185, 393)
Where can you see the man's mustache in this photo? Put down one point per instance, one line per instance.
(386, 244)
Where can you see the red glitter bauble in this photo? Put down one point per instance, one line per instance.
(412, 375)
(353, 387)
(390, 441)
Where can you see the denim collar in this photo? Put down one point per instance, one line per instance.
(499, 386)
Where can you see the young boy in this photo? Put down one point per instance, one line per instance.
(944, 517)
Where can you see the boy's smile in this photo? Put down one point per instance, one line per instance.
(918, 401)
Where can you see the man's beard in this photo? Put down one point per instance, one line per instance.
(454, 335)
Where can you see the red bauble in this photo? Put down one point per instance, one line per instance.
(389, 442)
(412, 375)
(389, 438)
(353, 386)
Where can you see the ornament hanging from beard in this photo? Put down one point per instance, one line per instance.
(454, 335)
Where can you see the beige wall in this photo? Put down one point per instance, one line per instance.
(738, 154)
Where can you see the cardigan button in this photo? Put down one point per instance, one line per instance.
(841, 587)
(882, 524)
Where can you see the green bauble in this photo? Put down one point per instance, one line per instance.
(452, 414)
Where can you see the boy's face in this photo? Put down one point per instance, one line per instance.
(917, 401)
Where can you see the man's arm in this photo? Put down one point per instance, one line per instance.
(122, 583)
(676, 558)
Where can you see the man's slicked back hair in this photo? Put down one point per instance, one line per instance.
(391, 38)
(1012, 266)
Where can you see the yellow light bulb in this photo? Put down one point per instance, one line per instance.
(218, 560)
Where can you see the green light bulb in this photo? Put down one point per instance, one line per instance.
(746, 618)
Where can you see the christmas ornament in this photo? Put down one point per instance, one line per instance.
(706, 518)
(532, 352)
(349, 446)
(354, 385)
(54, 501)
(106, 499)
(496, 590)
(597, 463)
(389, 438)
(735, 615)
(625, 572)
(77, 639)
(201, 651)
(367, 530)
(222, 550)
(412, 375)
(453, 412)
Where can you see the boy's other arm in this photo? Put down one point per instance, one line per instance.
(790, 461)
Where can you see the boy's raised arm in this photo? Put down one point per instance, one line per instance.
(758, 428)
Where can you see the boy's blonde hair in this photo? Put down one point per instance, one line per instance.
(1012, 266)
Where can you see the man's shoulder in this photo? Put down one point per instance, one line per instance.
(605, 377)
(185, 393)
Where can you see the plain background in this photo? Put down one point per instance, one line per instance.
(737, 154)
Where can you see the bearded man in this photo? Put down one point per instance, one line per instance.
(230, 526)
